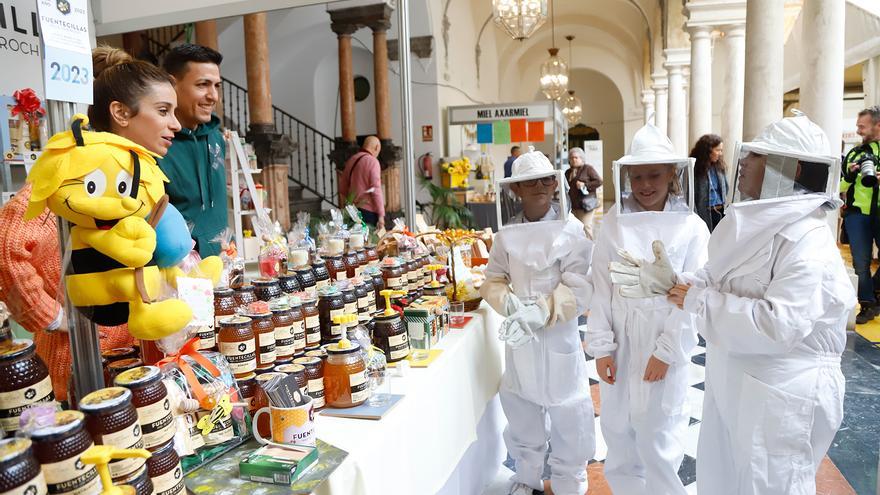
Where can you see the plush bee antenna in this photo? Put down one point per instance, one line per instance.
(76, 129)
(136, 176)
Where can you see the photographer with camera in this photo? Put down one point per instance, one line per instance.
(860, 216)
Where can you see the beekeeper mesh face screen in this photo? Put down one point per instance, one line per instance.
(653, 187)
(532, 198)
(768, 175)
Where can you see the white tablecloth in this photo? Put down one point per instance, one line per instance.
(417, 446)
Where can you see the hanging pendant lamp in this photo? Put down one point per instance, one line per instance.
(554, 72)
(519, 18)
(571, 104)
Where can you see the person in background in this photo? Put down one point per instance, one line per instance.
(362, 179)
(508, 164)
(583, 181)
(196, 162)
(133, 99)
(710, 179)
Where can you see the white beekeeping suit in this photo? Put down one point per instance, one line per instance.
(773, 300)
(644, 422)
(537, 277)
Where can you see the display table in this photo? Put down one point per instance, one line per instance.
(417, 446)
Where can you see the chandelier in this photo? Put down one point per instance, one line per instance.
(519, 18)
(571, 108)
(554, 72)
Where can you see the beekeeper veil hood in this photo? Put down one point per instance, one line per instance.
(538, 192)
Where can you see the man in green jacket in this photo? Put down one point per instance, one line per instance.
(196, 162)
(861, 219)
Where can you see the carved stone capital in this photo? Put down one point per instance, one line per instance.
(421, 46)
(390, 153)
(346, 21)
(342, 151)
(270, 147)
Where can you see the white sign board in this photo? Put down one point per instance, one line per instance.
(67, 66)
(593, 150)
(540, 110)
(20, 47)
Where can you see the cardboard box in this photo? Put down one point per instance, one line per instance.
(278, 465)
(427, 321)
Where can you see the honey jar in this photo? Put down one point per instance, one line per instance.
(306, 278)
(20, 472)
(224, 307)
(336, 267)
(389, 334)
(289, 283)
(266, 289)
(322, 276)
(330, 304)
(244, 295)
(116, 367)
(112, 419)
(392, 274)
(24, 380)
(352, 266)
(372, 255)
(150, 398)
(314, 371)
(247, 386)
(299, 326)
(140, 481)
(356, 244)
(238, 345)
(282, 321)
(264, 332)
(312, 318)
(297, 370)
(378, 286)
(165, 471)
(58, 447)
(119, 353)
(345, 379)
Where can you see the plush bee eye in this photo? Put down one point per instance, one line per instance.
(95, 183)
(123, 183)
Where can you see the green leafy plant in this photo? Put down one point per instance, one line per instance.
(446, 211)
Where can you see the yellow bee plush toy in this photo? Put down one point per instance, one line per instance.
(106, 186)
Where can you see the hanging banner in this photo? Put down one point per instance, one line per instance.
(519, 131)
(67, 61)
(500, 132)
(20, 47)
(491, 113)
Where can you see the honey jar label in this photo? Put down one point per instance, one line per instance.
(170, 483)
(397, 340)
(157, 423)
(351, 308)
(207, 337)
(341, 275)
(313, 338)
(335, 328)
(196, 440)
(285, 340)
(241, 356)
(126, 438)
(13, 403)
(299, 338)
(358, 270)
(222, 430)
(315, 389)
(398, 352)
(393, 283)
(267, 347)
(360, 389)
(363, 302)
(320, 284)
(71, 477)
(313, 321)
(36, 486)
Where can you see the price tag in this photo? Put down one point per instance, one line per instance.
(67, 63)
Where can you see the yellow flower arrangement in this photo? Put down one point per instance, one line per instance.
(458, 171)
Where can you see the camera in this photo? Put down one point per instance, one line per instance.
(868, 169)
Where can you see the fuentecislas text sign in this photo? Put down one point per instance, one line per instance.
(537, 110)
(67, 53)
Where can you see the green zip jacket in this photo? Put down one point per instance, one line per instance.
(856, 194)
(196, 168)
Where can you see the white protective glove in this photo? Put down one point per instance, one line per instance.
(639, 278)
(519, 328)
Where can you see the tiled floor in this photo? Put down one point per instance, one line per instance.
(850, 468)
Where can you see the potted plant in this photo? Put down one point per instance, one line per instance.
(446, 211)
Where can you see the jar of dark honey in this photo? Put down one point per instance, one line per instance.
(392, 274)
(238, 345)
(312, 319)
(247, 386)
(351, 303)
(306, 278)
(378, 286)
(24, 380)
(140, 481)
(116, 367)
(244, 295)
(336, 267)
(266, 289)
(389, 334)
(369, 291)
(345, 379)
(58, 447)
(264, 332)
(372, 255)
(360, 292)
(150, 397)
(356, 244)
(322, 276)
(330, 304)
(299, 326)
(352, 266)
(314, 371)
(289, 283)
(297, 370)
(165, 471)
(112, 419)
(20, 472)
(282, 320)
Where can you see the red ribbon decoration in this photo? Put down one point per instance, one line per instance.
(27, 104)
(191, 349)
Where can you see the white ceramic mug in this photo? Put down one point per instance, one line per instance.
(289, 425)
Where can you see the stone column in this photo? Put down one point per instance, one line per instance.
(676, 118)
(765, 42)
(390, 153)
(661, 99)
(700, 116)
(206, 34)
(346, 82)
(822, 74)
(732, 109)
(648, 104)
(272, 149)
(871, 81)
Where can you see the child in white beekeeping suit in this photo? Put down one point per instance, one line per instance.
(642, 344)
(537, 277)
